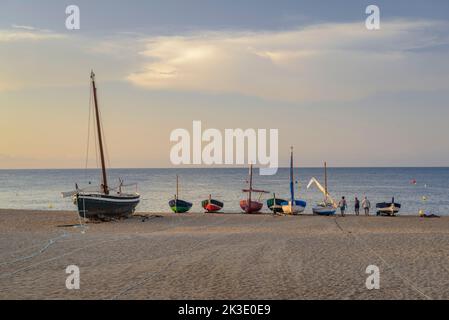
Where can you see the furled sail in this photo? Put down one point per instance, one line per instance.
(327, 197)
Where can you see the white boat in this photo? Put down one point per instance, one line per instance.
(328, 207)
(324, 209)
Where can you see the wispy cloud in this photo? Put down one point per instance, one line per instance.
(20, 33)
(29, 28)
(320, 62)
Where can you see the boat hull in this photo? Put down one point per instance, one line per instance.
(298, 207)
(253, 208)
(277, 208)
(388, 209)
(212, 205)
(324, 211)
(179, 206)
(101, 206)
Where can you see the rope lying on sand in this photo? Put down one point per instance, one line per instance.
(49, 243)
(60, 256)
(390, 266)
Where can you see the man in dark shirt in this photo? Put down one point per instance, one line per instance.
(357, 206)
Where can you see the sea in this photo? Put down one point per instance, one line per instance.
(416, 189)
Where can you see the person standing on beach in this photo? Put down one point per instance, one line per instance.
(366, 206)
(342, 205)
(357, 206)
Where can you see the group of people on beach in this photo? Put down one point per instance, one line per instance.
(365, 204)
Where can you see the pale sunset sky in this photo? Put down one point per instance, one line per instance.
(335, 90)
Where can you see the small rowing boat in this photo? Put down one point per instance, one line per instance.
(177, 205)
(212, 205)
(275, 204)
(388, 208)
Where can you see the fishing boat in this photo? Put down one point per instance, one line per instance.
(275, 204)
(103, 202)
(328, 207)
(249, 205)
(293, 206)
(388, 208)
(177, 205)
(212, 205)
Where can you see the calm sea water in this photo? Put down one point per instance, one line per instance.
(40, 189)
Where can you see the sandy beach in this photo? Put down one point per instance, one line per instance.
(208, 256)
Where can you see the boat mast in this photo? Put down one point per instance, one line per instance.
(100, 141)
(292, 192)
(325, 182)
(177, 187)
(250, 187)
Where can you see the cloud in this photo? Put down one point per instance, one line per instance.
(317, 63)
(15, 26)
(27, 33)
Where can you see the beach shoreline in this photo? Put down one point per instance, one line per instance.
(222, 256)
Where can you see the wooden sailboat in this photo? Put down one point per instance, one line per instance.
(293, 206)
(177, 205)
(328, 206)
(103, 202)
(212, 205)
(249, 205)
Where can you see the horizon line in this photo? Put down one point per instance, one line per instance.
(240, 167)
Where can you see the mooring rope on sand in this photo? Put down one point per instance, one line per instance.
(49, 243)
(59, 256)
(390, 266)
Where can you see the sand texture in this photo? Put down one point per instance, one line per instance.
(208, 256)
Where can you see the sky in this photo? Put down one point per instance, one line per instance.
(334, 90)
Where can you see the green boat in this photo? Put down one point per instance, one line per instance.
(276, 208)
(177, 205)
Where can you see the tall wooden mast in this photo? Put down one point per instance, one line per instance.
(100, 141)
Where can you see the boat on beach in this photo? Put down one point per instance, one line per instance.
(248, 205)
(275, 204)
(103, 202)
(388, 208)
(177, 205)
(328, 207)
(293, 206)
(211, 205)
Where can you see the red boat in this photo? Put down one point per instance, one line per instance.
(211, 205)
(254, 208)
(248, 205)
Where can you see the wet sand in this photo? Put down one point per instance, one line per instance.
(208, 256)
